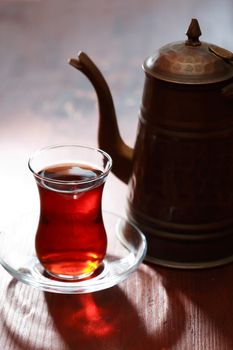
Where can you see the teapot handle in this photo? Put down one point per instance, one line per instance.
(222, 53)
(228, 91)
(228, 57)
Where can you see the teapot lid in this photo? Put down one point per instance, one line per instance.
(190, 61)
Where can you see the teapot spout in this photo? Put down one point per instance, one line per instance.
(109, 137)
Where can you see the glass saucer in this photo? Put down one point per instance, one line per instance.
(126, 250)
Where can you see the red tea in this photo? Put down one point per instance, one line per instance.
(71, 238)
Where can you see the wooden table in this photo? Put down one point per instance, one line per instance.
(45, 101)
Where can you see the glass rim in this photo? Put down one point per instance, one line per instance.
(70, 182)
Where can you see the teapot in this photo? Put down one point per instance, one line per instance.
(180, 172)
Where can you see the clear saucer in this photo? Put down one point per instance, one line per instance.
(126, 250)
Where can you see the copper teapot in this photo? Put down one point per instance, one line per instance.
(180, 172)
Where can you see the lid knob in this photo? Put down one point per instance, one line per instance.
(193, 33)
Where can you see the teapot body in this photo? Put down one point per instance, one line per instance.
(180, 172)
(181, 187)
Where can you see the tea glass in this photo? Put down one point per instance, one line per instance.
(70, 240)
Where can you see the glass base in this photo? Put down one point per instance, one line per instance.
(126, 250)
(68, 278)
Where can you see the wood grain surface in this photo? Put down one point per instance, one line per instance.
(45, 101)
